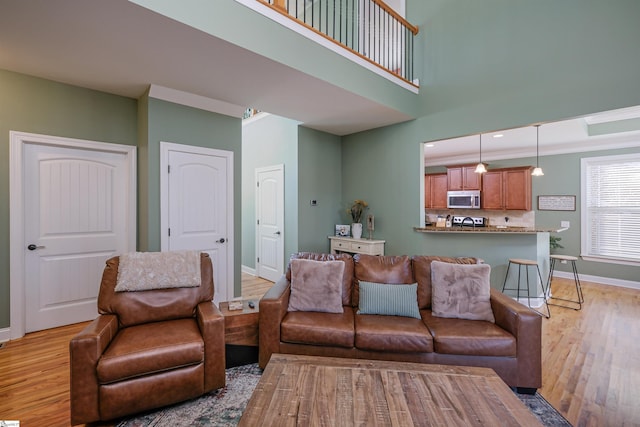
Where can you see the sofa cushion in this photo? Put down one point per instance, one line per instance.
(461, 291)
(422, 272)
(316, 286)
(347, 276)
(380, 269)
(151, 348)
(393, 334)
(388, 299)
(469, 337)
(308, 327)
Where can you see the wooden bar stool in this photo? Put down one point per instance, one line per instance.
(526, 263)
(579, 297)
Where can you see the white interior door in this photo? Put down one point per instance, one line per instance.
(76, 215)
(270, 222)
(199, 208)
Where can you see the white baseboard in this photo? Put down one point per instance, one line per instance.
(537, 301)
(598, 279)
(248, 270)
(5, 334)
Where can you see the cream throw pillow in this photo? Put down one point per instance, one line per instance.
(461, 291)
(142, 271)
(316, 286)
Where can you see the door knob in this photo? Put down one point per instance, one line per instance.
(33, 247)
(277, 232)
(221, 240)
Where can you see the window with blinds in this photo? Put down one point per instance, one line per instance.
(611, 208)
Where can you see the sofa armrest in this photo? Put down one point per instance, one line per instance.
(526, 325)
(211, 324)
(85, 349)
(273, 308)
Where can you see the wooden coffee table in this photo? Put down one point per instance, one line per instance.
(308, 390)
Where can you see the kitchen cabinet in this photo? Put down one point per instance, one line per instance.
(463, 177)
(507, 189)
(435, 191)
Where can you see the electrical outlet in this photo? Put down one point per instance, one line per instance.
(565, 224)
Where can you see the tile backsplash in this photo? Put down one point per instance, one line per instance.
(495, 218)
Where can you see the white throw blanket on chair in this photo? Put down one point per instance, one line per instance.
(142, 271)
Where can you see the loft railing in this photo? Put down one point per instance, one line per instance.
(369, 28)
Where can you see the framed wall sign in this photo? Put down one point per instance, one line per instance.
(556, 203)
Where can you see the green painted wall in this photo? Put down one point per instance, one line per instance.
(143, 173)
(498, 64)
(41, 106)
(319, 156)
(268, 141)
(494, 65)
(382, 167)
(179, 124)
(312, 169)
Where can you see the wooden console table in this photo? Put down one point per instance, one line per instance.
(356, 246)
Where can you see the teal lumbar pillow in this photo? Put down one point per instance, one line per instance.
(389, 299)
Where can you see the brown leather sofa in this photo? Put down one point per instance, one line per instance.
(147, 349)
(511, 346)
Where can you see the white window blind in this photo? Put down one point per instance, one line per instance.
(611, 208)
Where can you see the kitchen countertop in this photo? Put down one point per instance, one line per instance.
(490, 229)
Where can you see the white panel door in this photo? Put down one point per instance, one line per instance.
(270, 222)
(198, 186)
(75, 218)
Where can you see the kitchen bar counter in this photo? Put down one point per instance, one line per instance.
(490, 229)
(495, 245)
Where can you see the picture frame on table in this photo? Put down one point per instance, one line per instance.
(343, 230)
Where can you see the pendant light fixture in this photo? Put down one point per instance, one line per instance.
(480, 167)
(538, 170)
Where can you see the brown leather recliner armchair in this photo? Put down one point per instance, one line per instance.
(147, 349)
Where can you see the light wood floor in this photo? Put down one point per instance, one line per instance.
(591, 362)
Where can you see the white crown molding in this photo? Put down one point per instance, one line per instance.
(627, 141)
(614, 116)
(196, 101)
(255, 118)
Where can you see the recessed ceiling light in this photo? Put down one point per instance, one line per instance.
(498, 135)
(429, 145)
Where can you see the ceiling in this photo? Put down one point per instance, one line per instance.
(607, 130)
(118, 47)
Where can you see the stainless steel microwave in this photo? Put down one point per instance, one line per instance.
(469, 199)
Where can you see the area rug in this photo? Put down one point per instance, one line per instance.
(224, 407)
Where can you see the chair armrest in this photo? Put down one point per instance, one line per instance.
(85, 349)
(273, 308)
(526, 325)
(211, 324)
